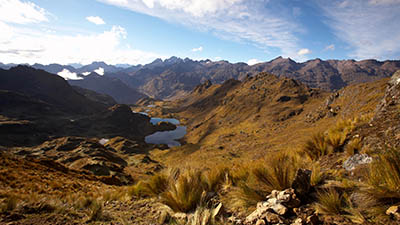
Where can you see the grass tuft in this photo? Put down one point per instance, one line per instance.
(276, 172)
(186, 193)
(384, 177)
(316, 146)
(331, 202)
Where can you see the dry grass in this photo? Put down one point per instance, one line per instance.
(384, 177)
(9, 204)
(214, 178)
(275, 172)
(331, 202)
(316, 146)
(336, 140)
(186, 193)
(317, 176)
(353, 147)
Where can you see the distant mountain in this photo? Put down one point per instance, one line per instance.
(96, 65)
(175, 77)
(113, 87)
(94, 96)
(54, 68)
(44, 88)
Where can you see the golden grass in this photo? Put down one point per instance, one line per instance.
(316, 146)
(383, 178)
(331, 202)
(9, 204)
(317, 175)
(275, 172)
(353, 147)
(186, 193)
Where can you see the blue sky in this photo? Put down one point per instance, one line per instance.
(139, 31)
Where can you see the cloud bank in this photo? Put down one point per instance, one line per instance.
(369, 27)
(96, 20)
(254, 21)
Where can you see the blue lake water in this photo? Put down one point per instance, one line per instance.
(155, 120)
(167, 137)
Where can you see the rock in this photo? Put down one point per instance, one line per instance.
(276, 206)
(298, 221)
(272, 218)
(165, 126)
(394, 211)
(355, 160)
(301, 182)
(260, 222)
(313, 220)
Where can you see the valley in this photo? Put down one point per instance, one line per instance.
(72, 155)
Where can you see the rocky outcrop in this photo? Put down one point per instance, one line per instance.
(281, 207)
(356, 160)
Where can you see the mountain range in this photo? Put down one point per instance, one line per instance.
(175, 77)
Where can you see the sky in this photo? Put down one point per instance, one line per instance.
(139, 31)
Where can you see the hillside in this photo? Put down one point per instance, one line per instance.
(246, 120)
(113, 87)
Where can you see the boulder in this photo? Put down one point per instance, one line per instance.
(394, 211)
(356, 160)
(301, 182)
(277, 205)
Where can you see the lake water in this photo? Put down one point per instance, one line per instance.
(166, 137)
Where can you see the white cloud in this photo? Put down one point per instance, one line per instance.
(26, 45)
(68, 75)
(254, 21)
(99, 71)
(218, 58)
(96, 20)
(330, 47)
(253, 62)
(370, 28)
(85, 73)
(304, 51)
(199, 49)
(21, 12)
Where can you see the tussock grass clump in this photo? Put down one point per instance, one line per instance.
(317, 176)
(214, 178)
(9, 204)
(275, 173)
(155, 185)
(331, 202)
(336, 140)
(383, 179)
(96, 211)
(316, 146)
(353, 147)
(186, 192)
